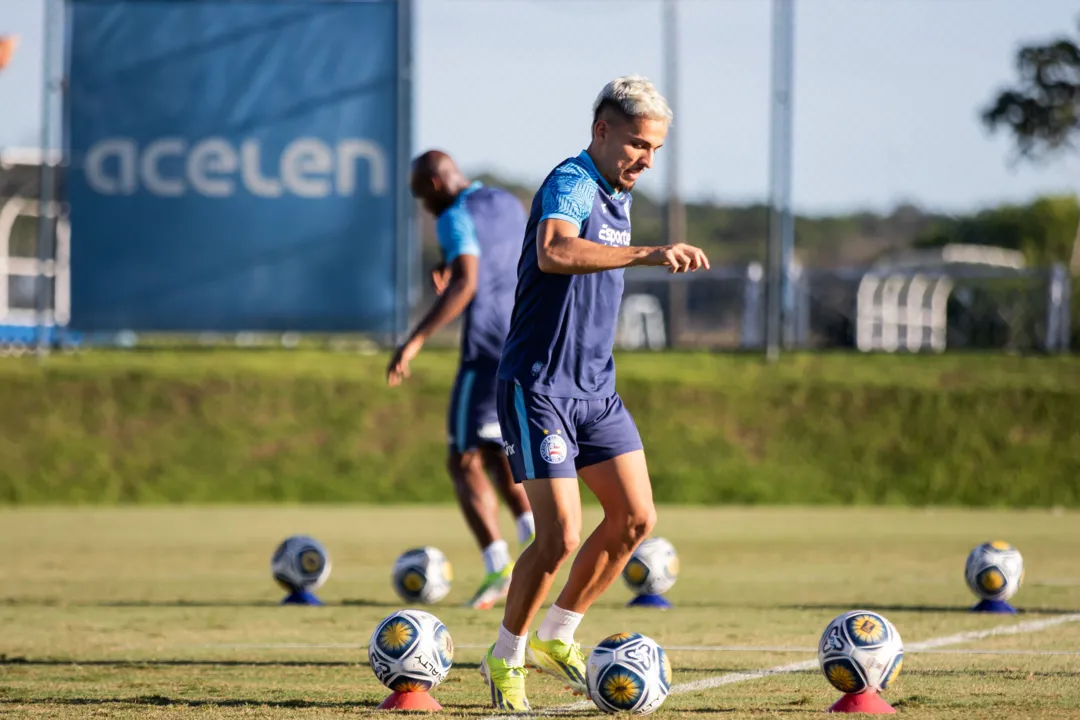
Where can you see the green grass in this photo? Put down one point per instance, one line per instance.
(700, 369)
(307, 426)
(168, 612)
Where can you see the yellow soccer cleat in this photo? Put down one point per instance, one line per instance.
(559, 659)
(506, 683)
(494, 588)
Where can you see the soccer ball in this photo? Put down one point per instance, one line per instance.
(628, 672)
(411, 651)
(422, 575)
(994, 570)
(300, 563)
(861, 651)
(653, 568)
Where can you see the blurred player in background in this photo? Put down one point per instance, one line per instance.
(558, 408)
(479, 231)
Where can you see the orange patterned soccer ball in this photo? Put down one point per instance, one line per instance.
(628, 672)
(411, 651)
(994, 570)
(860, 651)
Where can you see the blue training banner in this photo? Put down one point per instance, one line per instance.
(234, 165)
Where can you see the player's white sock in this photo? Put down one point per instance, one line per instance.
(559, 624)
(496, 556)
(526, 526)
(510, 647)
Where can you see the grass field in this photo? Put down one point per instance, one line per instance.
(170, 612)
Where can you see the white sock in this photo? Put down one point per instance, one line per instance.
(526, 527)
(559, 624)
(510, 647)
(496, 556)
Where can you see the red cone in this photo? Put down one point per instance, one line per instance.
(415, 701)
(862, 703)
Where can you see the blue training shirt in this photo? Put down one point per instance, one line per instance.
(563, 328)
(486, 222)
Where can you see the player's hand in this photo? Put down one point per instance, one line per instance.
(440, 278)
(398, 369)
(680, 257)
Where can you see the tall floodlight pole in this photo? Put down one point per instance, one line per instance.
(48, 204)
(674, 212)
(781, 244)
(406, 254)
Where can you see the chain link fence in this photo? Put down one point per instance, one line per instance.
(963, 307)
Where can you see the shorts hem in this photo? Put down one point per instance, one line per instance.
(543, 474)
(475, 445)
(547, 477)
(597, 458)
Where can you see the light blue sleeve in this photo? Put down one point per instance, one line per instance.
(568, 195)
(457, 233)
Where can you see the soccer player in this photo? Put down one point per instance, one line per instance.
(560, 415)
(479, 230)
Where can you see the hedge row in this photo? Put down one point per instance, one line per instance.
(235, 427)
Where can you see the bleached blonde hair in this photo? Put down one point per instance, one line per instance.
(633, 96)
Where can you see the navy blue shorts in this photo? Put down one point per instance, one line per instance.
(473, 418)
(549, 437)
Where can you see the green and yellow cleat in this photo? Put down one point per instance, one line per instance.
(559, 659)
(506, 683)
(493, 589)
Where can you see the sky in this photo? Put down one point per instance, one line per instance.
(886, 104)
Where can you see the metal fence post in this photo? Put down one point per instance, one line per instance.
(1057, 310)
(750, 333)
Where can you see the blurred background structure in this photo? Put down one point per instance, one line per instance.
(901, 176)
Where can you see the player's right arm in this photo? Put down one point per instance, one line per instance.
(566, 203)
(561, 251)
(440, 277)
(455, 287)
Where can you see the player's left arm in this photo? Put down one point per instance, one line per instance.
(457, 237)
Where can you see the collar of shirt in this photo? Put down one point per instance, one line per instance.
(587, 161)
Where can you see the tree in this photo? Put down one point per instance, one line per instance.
(1042, 111)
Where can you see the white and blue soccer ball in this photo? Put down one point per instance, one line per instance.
(422, 575)
(653, 568)
(860, 652)
(994, 570)
(411, 651)
(300, 563)
(628, 672)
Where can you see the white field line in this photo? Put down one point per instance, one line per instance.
(669, 648)
(738, 677)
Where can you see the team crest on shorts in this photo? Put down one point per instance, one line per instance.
(553, 449)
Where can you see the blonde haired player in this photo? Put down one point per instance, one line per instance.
(560, 415)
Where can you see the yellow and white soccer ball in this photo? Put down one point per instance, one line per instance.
(861, 651)
(628, 672)
(422, 575)
(653, 568)
(994, 570)
(411, 651)
(300, 563)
